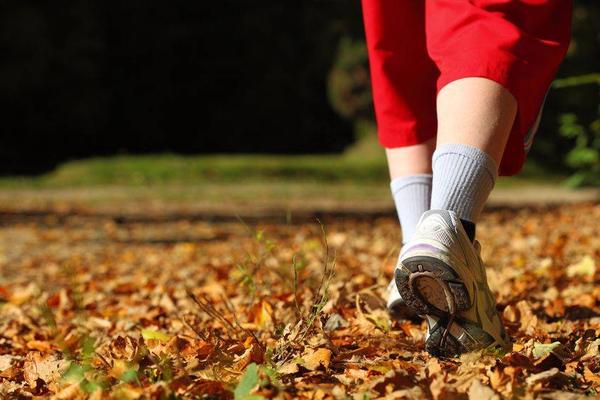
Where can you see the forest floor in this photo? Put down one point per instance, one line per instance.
(95, 305)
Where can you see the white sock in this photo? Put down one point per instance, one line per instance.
(412, 196)
(463, 178)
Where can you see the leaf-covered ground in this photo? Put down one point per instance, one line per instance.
(106, 308)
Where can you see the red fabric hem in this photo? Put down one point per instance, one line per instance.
(391, 139)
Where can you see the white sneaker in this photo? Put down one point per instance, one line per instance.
(394, 300)
(395, 304)
(440, 275)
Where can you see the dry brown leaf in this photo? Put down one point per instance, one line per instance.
(83, 277)
(39, 345)
(288, 368)
(478, 391)
(591, 377)
(434, 367)
(547, 376)
(6, 361)
(316, 359)
(48, 368)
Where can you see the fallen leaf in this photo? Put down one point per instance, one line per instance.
(552, 375)
(335, 321)
(39, 345)
(478, 391)
(6, 361)
(48, 368)
(585, 267)
(151, 334)
(317, 358)
(591, 377)
(288, 368)
(542, 349)
(261, 313)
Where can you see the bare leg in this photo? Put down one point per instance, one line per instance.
(475, 117)
(410, 160)
(477, 112)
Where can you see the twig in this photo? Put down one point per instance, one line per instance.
(208, 308)
(183, 321)
(231, 309)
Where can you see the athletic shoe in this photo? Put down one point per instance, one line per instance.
(395, 304)
(441, 276)
(394, 300)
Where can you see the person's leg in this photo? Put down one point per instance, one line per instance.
(475, 117)
(517, 44)
(403, 78)
(410, 160)
(476, 112)
(496, 60)
(411, 180)
(441, 265)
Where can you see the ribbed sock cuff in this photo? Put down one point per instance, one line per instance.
(463, 178)
(412, 196)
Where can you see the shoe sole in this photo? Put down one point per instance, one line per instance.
(429, 286)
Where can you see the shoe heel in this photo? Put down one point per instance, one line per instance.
(430, 286)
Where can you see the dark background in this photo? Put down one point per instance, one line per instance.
(81, 78)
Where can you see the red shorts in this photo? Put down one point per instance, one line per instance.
(416, 47)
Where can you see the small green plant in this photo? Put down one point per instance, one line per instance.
(248, 270)
(291, 337)
(321, 295)
(250, 380)
(83, 371)
(584, 157)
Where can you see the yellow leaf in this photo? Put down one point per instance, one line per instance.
(585, 267)
(149, 334)
(541, 349)
(264, 314)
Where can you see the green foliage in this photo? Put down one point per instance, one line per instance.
(572, 81)
(584, 156)
(89, 378)
(142, 170)
(249, 269)
(349, 87)
(130, 375)
(82, 371)
(255, 376)
(248, 382)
